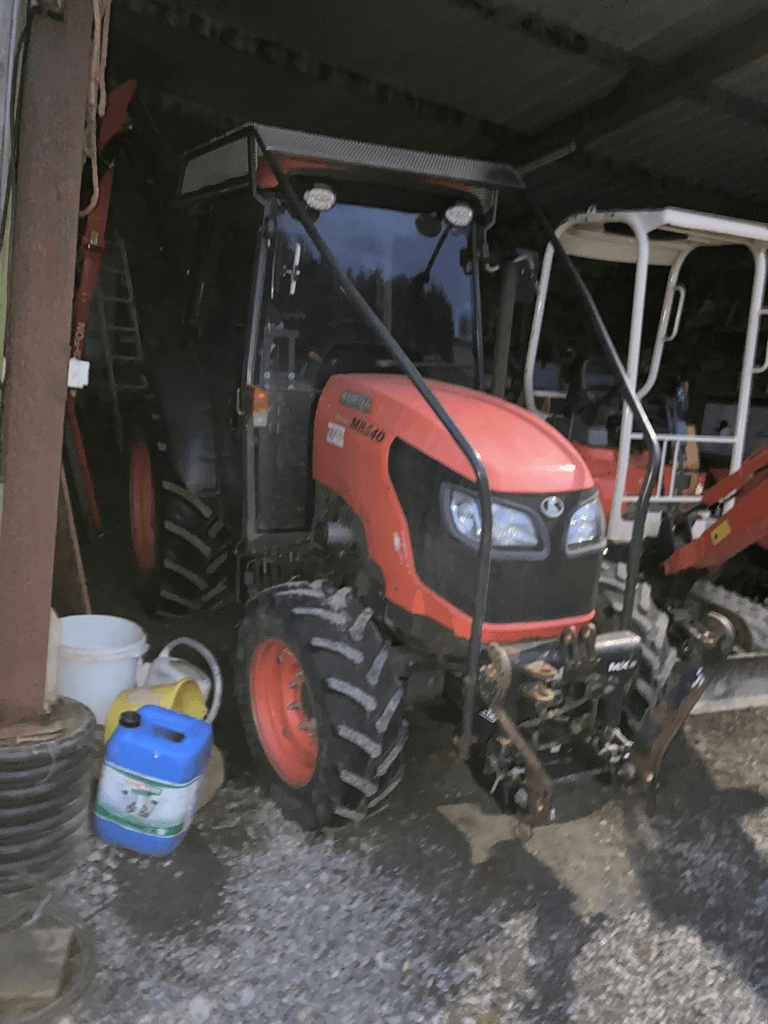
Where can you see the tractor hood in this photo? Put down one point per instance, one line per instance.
(522, 453)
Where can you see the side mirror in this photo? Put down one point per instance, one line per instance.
(429, 225)
(528, 264)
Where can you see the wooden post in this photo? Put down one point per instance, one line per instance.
(40, 310)
(70, 589)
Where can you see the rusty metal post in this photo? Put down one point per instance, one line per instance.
(39, 315)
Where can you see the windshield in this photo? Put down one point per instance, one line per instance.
(416, 272)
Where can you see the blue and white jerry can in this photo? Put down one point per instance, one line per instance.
(153, 771)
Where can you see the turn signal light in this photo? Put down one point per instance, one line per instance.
(259, 406)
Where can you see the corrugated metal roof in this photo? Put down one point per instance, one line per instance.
(751, 80)
(439, 51)
(480, 64)
(703, 146)
(566, 188)
(654, 29)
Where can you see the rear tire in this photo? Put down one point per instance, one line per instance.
(309, 656)
(180, 546)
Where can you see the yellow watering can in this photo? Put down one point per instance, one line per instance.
(183, 696)
(172, 683)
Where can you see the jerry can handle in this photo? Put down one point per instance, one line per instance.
(213, 665)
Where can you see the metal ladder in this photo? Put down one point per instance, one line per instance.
(114, 329)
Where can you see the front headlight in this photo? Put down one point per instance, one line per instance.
(512, 528)
(587, 525)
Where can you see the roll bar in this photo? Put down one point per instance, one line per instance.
(630, 397)
(660, 238)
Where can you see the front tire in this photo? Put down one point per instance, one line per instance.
(319, 702)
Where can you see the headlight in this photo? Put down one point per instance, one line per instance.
(512, 528)
(587, 525)
(320, 198)
(459, 215)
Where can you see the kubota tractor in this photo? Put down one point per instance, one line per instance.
(401, 534)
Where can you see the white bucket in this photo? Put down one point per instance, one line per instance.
(98, 658)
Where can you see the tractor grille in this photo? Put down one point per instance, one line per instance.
(522, 588)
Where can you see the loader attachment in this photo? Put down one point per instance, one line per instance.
(745, 522)
(702, 651)
(741, 681)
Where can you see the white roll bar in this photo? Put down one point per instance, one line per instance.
(662, 337)
(585, 235)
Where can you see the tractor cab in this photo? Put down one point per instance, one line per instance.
(664, 363)
(407, 228)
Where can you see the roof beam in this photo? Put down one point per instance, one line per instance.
(613, 59)
(141, 24)
(474, 135)
(651, 86)
(553, 34)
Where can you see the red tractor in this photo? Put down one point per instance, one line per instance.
(325, 439)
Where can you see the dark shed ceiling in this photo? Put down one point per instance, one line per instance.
(652, 102)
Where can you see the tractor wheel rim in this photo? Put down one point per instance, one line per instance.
(141, 497)
(282, 712)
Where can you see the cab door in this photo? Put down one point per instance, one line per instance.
(279, 404)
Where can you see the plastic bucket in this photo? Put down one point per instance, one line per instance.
(98, 658)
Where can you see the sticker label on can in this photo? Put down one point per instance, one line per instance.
(143, 804)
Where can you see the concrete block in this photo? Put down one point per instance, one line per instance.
(32, 964)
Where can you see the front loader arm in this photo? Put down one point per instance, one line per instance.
(702, 651)
(744, 524)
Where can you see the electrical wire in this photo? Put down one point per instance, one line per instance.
(97, 95)
(11, 120)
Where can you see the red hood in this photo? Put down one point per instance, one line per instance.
(522, 453)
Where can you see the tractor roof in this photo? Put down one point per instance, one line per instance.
(224, 162)
(609, 235)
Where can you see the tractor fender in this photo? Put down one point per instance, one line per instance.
(185, 401)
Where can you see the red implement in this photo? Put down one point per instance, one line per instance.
(91, 253)
(744, 524)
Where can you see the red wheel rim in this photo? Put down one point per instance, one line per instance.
(282, 712)
(141, 498)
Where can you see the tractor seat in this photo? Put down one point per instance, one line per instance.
(350, 358)
(592, 405)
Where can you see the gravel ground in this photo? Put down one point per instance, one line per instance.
(606, 916)
(610, 917)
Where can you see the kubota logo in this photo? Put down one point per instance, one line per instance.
(552, 507)
(356, 401)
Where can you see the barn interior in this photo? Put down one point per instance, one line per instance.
(598, 106)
